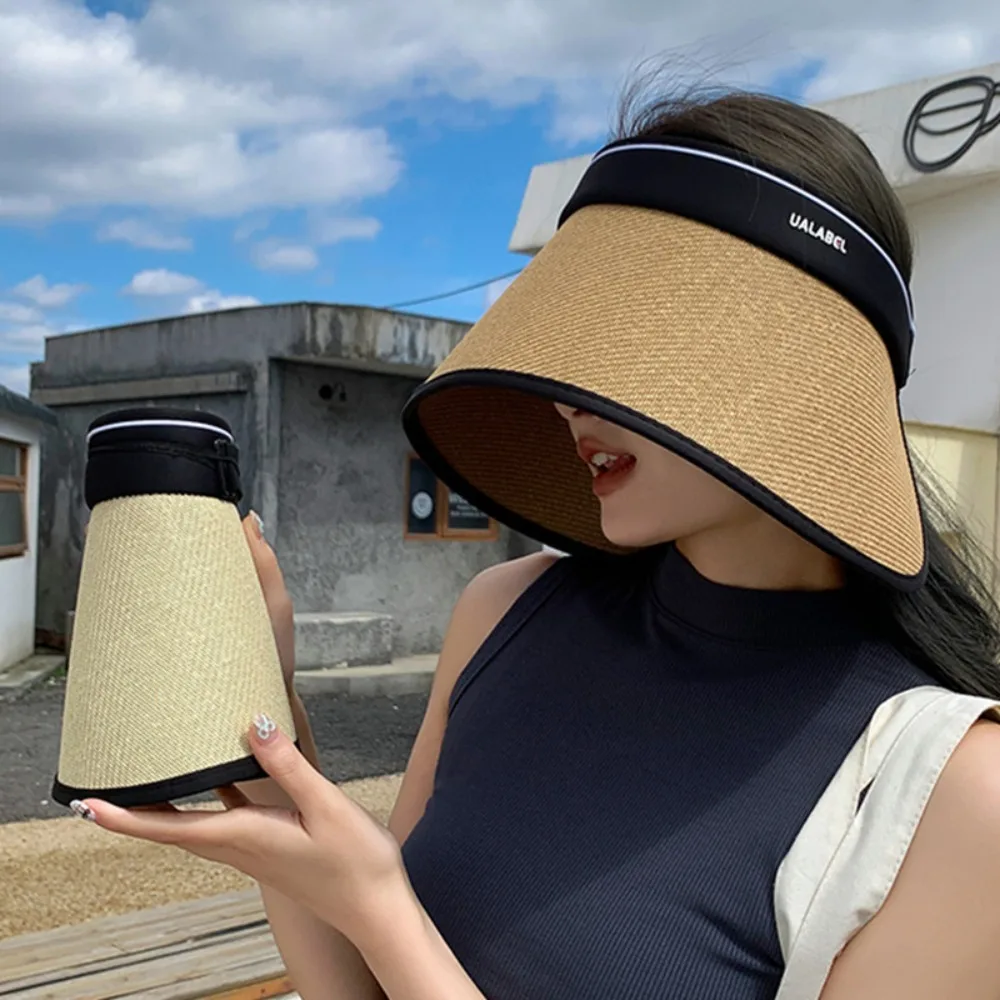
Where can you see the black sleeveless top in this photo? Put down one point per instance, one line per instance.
(627, 760)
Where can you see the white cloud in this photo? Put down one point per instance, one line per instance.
(248, 227)
(175, 135)
(27, 338)
(512, 52)
(47, 296)
(232, 106)
(142, 235)
(277, 256)
(17, 312)
(15, 377)
(335, 229)
(211, 300)
(188, 293)
(29, 206)
(161, 282)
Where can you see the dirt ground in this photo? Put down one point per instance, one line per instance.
(56, 872)
(56, 869)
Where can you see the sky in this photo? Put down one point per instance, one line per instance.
(162, 157)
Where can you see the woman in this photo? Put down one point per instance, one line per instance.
(627, 753)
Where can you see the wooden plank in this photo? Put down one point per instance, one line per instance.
(209, 985)
(270, 989)
(138, 921)
(183, 975)
(92, 967)
(110, 938)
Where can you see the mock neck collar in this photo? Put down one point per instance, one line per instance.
(779, 617)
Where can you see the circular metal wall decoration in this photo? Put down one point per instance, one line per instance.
(949, 120)
(422, 505)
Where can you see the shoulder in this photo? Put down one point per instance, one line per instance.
(484, 602)
(492, 593)
(943, 910)
(966, 800)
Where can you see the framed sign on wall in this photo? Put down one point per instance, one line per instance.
(434, 512)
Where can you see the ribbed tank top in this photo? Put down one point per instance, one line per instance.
(628, 757)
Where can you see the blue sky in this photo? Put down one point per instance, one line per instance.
(453, 123)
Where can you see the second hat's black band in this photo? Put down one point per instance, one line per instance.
(134, 468)
(147, 450)
(731, 192)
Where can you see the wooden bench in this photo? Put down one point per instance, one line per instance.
(219, 948)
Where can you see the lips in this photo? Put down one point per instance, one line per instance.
(607, 466)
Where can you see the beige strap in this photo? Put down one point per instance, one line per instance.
(844, 861)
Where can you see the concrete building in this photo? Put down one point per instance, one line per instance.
(374, 550)
(938, 143)
(21, 426)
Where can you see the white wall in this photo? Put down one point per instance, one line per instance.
(956, 280)
(879, 117)
(17, 574)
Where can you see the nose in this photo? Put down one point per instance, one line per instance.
(567, 412)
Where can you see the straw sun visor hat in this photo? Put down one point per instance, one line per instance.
(719, 308)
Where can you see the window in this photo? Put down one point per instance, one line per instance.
(13, 505)
(434, 511)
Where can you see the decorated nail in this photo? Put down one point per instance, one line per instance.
(266, 726)
(83, 811)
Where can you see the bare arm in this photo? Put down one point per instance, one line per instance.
(936, 934)
(321, 962)
(483, 603)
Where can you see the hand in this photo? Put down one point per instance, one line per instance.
(326, 853)
(279, 604)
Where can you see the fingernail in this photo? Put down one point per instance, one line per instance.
(259, 522)
(83, 811)
(266, 726)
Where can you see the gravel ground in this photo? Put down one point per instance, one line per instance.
(357, 738)
(56, 870)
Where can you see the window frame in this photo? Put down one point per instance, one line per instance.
(442, 533)
(17, 484)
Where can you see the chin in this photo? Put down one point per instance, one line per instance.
(628, 534)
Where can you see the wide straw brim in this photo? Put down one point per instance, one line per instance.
(720, 351)
(172, 656)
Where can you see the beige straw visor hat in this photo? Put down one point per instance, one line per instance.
(718, 308)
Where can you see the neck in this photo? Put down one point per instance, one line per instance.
(761, 554)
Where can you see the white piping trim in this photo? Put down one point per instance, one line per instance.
(161, 423)
(786, 184)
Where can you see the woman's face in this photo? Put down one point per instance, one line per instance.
(649, 495)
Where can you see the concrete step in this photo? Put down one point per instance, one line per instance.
(23, 676)
(409, 675)
(325, 639)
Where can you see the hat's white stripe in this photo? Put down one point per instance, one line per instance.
(160, 423)
(705, 154)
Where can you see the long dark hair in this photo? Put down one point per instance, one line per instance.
(950, 627)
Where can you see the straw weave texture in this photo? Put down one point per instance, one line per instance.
(705, 334)
(173, 653)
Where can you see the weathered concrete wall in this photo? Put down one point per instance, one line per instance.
(63, 510)
(341, 506)
(328, 477)
(360, 336)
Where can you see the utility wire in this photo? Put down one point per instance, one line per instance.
(455, 291)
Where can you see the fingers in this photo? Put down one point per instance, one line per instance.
(263, 555)
(164, 825)
(283, 762)
(272, 583)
